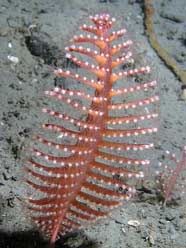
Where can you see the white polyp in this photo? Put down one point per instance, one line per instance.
(68, 55)
(147, 69)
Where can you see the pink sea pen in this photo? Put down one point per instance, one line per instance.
(173, 179)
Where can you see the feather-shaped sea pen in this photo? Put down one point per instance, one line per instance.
(91, 176)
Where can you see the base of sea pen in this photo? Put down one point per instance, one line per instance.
(76, 239)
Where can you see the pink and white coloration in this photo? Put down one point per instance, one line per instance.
(172, 177)
(80, 168)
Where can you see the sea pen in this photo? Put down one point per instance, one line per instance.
(91, 176)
